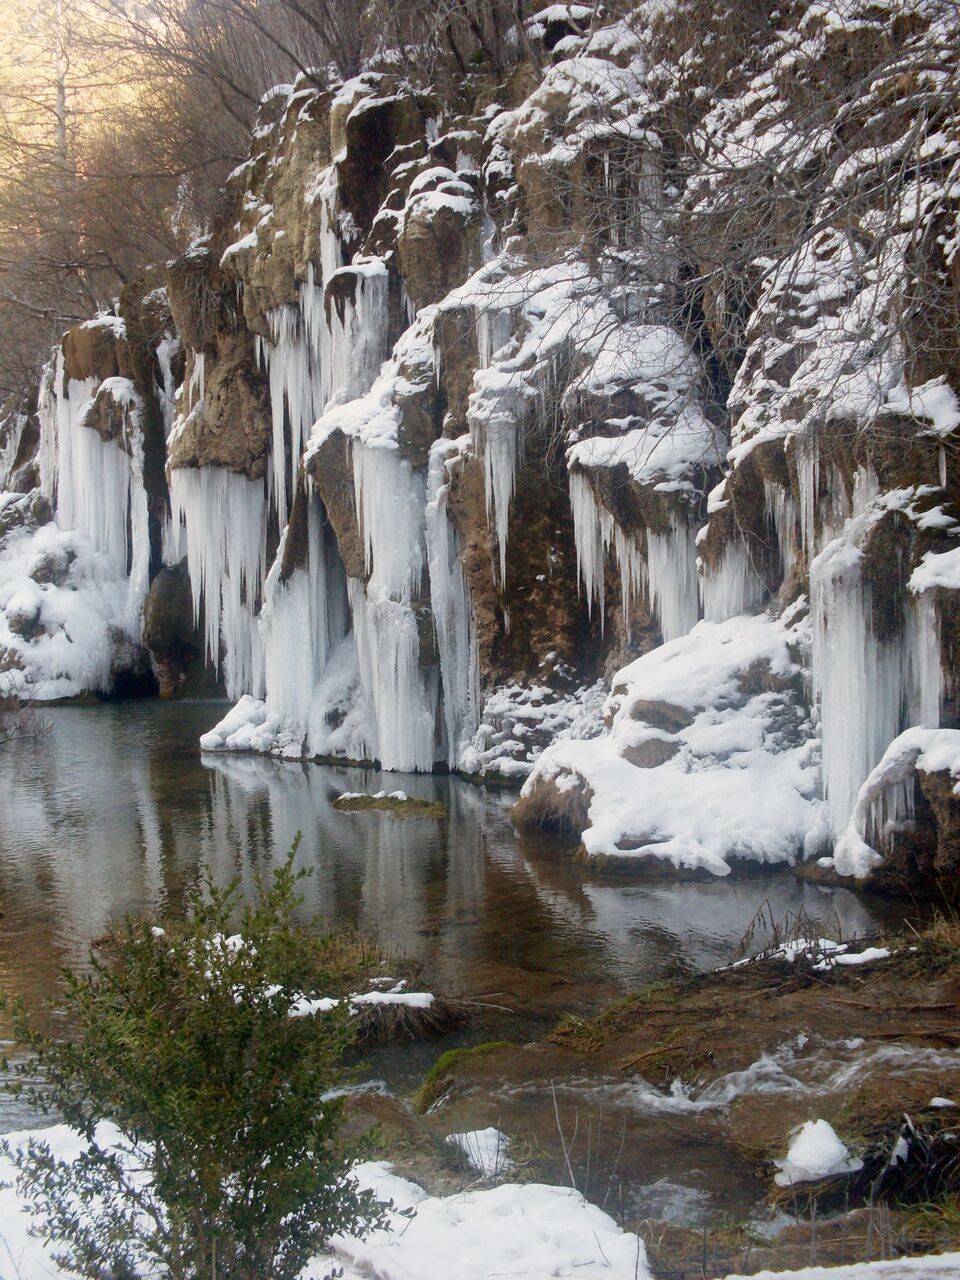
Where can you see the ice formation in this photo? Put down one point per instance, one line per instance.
(226, 559)
(302, 621)
(451, 608)
(669, 453)
(886, 798)
(571, 362)
(167, 350)
(663, 568)
(97, 487)
(390, 507)
(381, 699)
(732, 587)
(14, 427)
(326, 348)
(868, 687)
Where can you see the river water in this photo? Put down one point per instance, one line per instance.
(116, 810)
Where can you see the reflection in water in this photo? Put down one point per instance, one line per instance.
(116, 810)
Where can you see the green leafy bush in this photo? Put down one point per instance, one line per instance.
(230, 1161)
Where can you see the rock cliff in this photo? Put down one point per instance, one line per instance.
(594, 428)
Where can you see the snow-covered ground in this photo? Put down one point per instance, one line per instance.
(515, 1231)
(942, 1266)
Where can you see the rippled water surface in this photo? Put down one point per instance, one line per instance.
(117, 809)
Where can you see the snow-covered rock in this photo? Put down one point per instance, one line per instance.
(886, 800)
(815, 1152)
(708, 756)
(63, 608)
(522, 1230)
(485, 1150)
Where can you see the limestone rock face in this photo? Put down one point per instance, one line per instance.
(230, 426)
(331, 470)
(170, 634)
(534, 619)
(198, 297)
(97, 349)
(437, 243)
(371, 130)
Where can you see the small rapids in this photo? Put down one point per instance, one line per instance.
(825, 1069)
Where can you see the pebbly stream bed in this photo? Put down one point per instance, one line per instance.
(117, 808)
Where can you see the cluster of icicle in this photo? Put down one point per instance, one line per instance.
(94, 486)
(867, 689)
(314, 644)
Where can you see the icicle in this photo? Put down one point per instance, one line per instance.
(869, 690)
(11, 446)
(493, 333)
(733, 587)
(497, 404)
(500, 446)
(452, 612)
(196, 387)
(672, 578)
(404, 696)
(226, 561)
(390, 498)
(856, 678)
(921, 648)
(823, 497)
(592, 528)
(47, 416)
(634, 580)
(783, 515)
(298, 357)
(167, 350)
(173, 542)
(808, 469)
(301, 622)
(353, 346)
(292, 395)
(95, 486)
(488, 239)
(666, 573)
(139, 573)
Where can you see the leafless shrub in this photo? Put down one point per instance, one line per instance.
(20, 719)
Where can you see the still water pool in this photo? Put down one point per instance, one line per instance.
(116, 810)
